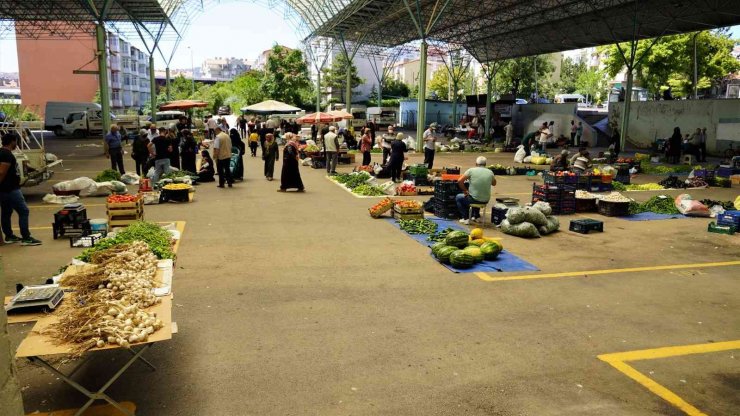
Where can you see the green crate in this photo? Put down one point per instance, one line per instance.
(721, 229)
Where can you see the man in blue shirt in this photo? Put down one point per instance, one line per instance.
(114, 149)
(478, 191)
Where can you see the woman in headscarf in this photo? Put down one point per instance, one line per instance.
(290, 178)
(366, 144)
(174, 138)
(207, 167)
(395, 161)
(188, 150)
(140, 152)
(674, 147)
(270, 155)
(236, 141)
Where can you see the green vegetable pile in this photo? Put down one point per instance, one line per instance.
(658, 204)
(648, 168)
(418, 226)
(368, 190)
(158, 239)
(440, 235)
(618, 186)
(352, 180)
(108, 175)
(178, 174)
(728, 205)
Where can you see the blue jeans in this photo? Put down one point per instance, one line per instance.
(161, 166)
(463, 206)
(14, 201)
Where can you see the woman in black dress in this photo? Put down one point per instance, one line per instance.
(174, 137)
(271, 154)
(236, 141)
(207, 168)
(398, 150)
(674, 147)
(290, 177)
(188, 150)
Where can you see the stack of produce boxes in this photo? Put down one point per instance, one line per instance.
(562, 198)
(124, 210)
(444, 199)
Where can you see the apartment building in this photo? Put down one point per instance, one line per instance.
(224, 69)
(46, 72)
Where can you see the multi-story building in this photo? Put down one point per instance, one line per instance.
(224, 69)
(46, 69)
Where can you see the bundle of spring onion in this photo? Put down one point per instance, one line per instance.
(108, 301)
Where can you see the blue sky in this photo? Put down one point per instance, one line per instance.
(240, 30)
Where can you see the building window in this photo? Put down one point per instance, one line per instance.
(115, 95)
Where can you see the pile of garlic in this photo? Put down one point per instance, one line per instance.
(125, 325)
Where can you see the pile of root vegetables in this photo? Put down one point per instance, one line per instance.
(109, 300)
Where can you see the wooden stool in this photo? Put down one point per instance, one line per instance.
(482, 208)
(688, 159)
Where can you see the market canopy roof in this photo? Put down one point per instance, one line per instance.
(270, 106)
(500, 29)
(183, 105)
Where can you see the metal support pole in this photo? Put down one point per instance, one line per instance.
(626, 109)
(696, 70)
(103, 74)
(192, 69)
(153, 88)
(318, 91)
(167, 82)
(489, 91)
(454, 104)
(348, 82)
(422, 96)
(380, 93)
(536, 90)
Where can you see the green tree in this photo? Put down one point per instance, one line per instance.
(570, 70)
(670, 61)
(286, 75)
(517, 76)
(591, 83)
(441, 85)
(335, 76)
(373, 96)
(395, 88)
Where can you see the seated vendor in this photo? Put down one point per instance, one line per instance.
(581, 161)
(481, 179)
(207, 167)
(560, 163)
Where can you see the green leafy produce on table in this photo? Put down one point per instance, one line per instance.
(158, 239)
(423, 226)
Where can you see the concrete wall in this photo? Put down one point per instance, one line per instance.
(656, 119)
(528, 118)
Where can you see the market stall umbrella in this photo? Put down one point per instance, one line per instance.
(318, 118)
(183, 105)
(270, 106)
(341, 113)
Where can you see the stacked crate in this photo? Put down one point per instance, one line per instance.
(121, 214)
(444, 199)
(562, 198)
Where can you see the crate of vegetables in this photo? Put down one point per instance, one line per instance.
(377, 210)
(406, 189)
(124, 205)
(560, 178)
(408, 206)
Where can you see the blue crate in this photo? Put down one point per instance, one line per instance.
(730, 218)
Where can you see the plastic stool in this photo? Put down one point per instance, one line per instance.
(482, 208)
(688, 159)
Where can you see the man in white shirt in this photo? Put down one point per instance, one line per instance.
(211, 123)
(331, 148)
(429, 139)
(509, 129)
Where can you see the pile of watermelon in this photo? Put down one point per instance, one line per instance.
(462, 250)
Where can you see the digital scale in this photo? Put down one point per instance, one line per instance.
(35, 298)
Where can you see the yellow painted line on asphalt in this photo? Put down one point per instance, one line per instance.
(493, 278)
(619, 361)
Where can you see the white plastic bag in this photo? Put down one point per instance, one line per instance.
(520, 154)
(60, 199)
(690, 207)
(306, 162)
(527, 159)
(130, 178)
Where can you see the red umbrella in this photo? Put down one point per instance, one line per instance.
(318, 118)
(182, 105)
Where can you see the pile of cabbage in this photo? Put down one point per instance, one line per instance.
(530, 222)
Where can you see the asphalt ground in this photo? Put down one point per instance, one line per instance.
(298, 304)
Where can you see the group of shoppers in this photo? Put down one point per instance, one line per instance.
(694, 144)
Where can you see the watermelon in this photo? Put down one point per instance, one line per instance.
(461, 259)
(458, 239)
(443, 254)
(477, 242)
(490, 250)
(476, 252)
(437, 246)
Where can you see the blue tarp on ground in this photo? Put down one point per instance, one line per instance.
(651, 216)
(506, 262)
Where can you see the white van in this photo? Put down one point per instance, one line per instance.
(571, 98)
(383, 116)
(168, 118)
(57, 112)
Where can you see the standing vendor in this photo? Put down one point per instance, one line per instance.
(386, 141)
(11, 197)
(478, 191)
(429, 139)
(397, 156)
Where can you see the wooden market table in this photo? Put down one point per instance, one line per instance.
(37, 345)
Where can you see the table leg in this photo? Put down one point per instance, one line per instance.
(131, 350)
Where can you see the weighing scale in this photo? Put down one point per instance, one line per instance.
(33, 298)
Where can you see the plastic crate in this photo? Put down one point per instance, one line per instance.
(724, 171)
(721, 229)
(498, 215)
(731, 218)
(585, 225)
(84, 241)
(586, 205)
(455, 170)
(613, 209)
(625, 179)
(564, 211)
(552, 178)
(447, 214)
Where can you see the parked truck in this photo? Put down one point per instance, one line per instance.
(383, 116)
(57, 112)
(90, 123)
